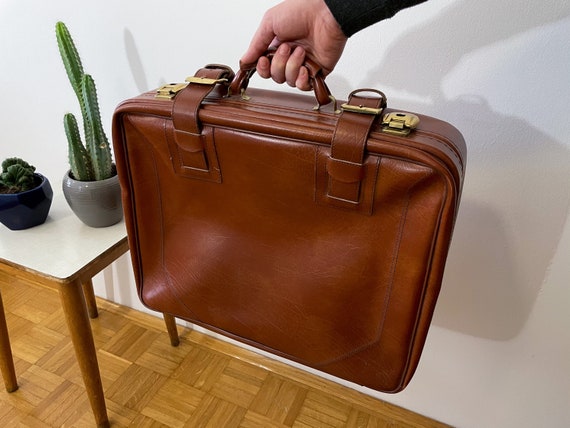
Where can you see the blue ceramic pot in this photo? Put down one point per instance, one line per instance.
(26, 209)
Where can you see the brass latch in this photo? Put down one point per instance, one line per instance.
(398, 123)
(205, 80)
(361, 109)
(378, 98)
(169, 91)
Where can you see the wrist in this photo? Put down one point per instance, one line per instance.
(329, 19)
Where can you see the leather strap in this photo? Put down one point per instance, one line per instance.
(187, 102)
(345, 165)
(187, 126)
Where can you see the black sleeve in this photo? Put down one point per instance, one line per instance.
(355, 15)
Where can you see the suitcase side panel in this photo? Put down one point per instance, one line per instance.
(368, 328)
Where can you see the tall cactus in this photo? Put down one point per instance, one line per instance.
(92, 161)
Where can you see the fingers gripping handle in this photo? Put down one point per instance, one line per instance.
(316, 78)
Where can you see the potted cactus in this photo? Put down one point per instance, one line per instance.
(91, 186)
(25, 195)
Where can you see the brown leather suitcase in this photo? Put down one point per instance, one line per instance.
(319, 235)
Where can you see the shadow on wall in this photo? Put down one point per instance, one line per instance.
(517, 194)
(135, 62)
(508, 228)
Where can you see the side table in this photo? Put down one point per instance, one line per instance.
(65, 254)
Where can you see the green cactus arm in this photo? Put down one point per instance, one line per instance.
(79, 160)
(70, 57)
(96, 141)
(71, 62)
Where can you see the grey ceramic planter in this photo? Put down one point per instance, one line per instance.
(95, 203)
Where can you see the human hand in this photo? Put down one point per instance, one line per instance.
(296, 28)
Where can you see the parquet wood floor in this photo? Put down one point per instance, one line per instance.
(204, 382)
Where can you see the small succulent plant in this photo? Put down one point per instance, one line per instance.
(91, 161)
(17, 176)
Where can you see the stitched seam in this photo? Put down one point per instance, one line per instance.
(388, 293)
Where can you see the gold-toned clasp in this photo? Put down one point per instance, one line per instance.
(205, 80)
(334, 103)
(378, 96)
(399, 123)
(244, 96)
(361, 109)
(169, 91)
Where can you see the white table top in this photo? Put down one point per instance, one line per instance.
(62, 245)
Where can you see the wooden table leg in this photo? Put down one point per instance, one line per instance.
(170, 322)
(75, 310)
(90, 299)
(6, 360)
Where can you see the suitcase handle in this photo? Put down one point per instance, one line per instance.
(316, 77)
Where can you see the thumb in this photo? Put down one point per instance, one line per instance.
(262, 39)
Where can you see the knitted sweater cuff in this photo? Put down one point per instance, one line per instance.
(354, 16)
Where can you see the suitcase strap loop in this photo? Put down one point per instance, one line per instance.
(188, 101)
(187, 127)
(345, 166)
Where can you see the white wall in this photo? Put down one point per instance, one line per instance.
(498, 354)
